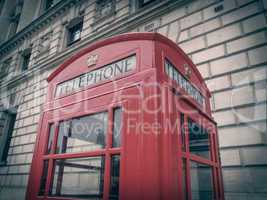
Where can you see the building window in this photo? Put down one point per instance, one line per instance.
(144, 3)
(7, 121)
(5, 68)
(25, 59)
(13, 26)
(74, 30)
(14, 19)
(48, 4)
(183, 140)
(1, 6)
(104, 8)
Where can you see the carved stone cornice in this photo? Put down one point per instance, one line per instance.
(36, 24)
(125, 24)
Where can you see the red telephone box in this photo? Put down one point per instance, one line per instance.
(127, 118)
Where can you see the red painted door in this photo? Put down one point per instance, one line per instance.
(198, 153)
(81, 155)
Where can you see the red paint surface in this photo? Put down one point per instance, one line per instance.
(151, 164)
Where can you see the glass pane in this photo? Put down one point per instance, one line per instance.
(116, 138)
(79, 178)
(182, 131)
(184, 180)
(217, 170)
(50, 139)
(75, 33)
(199, 142)
(43, 178)
(201, 181)
(9, 123)
(86, 133)
(115, 176)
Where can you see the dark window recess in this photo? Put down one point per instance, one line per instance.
(143, 3)
(9, 122)
(104, 8)
(26, 56)
(74, 33)
(182, 131)
(14, 18)
(12, 99)
(48, 4)
(43, 178)
(1, 6)
(218, 8)
(13, 26)
(5, 67)
(149, 27)
(114, 177)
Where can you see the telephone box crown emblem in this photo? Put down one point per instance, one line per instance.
(92, 60)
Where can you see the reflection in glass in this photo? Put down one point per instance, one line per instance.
(116, 138)
(50, 138)
(115, 176)
(199, 142)
(79, 178)
(86, 133)
(201, 181)
(43, 178)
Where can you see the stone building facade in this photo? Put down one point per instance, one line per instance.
(226, 39)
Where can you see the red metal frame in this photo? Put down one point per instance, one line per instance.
(151, 165)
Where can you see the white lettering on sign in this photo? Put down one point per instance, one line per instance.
(107, 72)
(175, 75)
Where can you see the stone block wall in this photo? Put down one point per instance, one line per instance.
(227, 40)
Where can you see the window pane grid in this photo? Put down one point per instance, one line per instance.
(62, 159)
(199, 140)
(201, 181)
(78, 177)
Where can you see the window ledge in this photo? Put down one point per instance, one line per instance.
(29, 29)
(140, 8)
(73, 42)
(99, 19)
(42, 53)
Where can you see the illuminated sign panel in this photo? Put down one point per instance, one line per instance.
(175, 75)
(107, 72)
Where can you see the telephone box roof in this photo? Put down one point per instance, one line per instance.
(134, 36)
